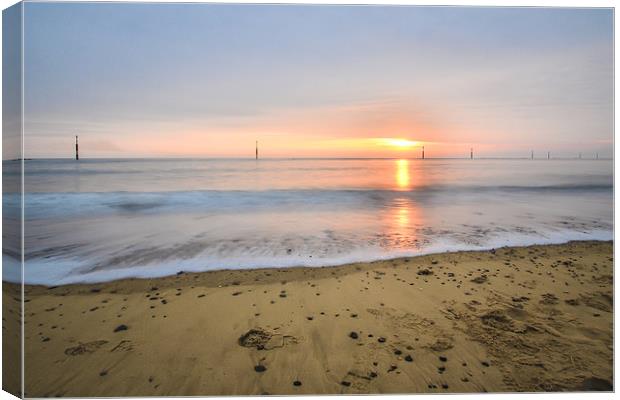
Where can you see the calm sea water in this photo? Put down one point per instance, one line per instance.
(97, 220)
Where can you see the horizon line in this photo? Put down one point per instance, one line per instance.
(309, 158)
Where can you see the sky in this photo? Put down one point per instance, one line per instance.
(196, 80)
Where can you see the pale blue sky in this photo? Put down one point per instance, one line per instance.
(194, 79)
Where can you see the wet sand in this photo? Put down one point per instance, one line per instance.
(535, 318)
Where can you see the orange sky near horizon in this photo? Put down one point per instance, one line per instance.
(374, 129)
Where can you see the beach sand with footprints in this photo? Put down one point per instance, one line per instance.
(535, 318)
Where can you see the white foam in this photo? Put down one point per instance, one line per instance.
(49, 273)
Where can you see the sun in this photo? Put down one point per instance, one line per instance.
(398, 143)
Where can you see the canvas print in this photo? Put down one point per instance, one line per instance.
(250, 199)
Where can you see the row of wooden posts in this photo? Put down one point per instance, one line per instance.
(471, 152)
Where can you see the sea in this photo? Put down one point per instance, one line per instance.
(97, 220)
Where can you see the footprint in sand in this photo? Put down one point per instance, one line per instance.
(263, 339)
(358, 380)
(85, 348)
(123, 345)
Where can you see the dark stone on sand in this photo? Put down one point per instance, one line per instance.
(45, 339)
(425, 272)
(236, 293)
(353, 315)
(408, 358)
(297, 383)
(443, 358)
(353, 335)
(373, 374)
(381, 340)
(345, 383)
(480, 279)
(103, 373)
(260, 368)
(398, 352)
(121, 327)
(309, 318)
(486, 363)
(445, 386)
(597, 385)
(95, 290)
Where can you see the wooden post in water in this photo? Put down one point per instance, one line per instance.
(471, 153)
(257, 149)
(422, 152)
(77, 154)
(548, 155)
(580, 155)
(532, 155)
(597, 156)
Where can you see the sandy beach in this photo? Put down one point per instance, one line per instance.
(534, 318)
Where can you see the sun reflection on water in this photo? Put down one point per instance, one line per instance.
(402, 213)
(403, 216)
(403, 179)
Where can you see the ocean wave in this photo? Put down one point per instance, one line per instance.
(44, 205)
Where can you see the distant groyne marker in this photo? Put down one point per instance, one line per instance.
(77, 153)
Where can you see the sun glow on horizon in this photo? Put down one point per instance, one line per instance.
(398, 142)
